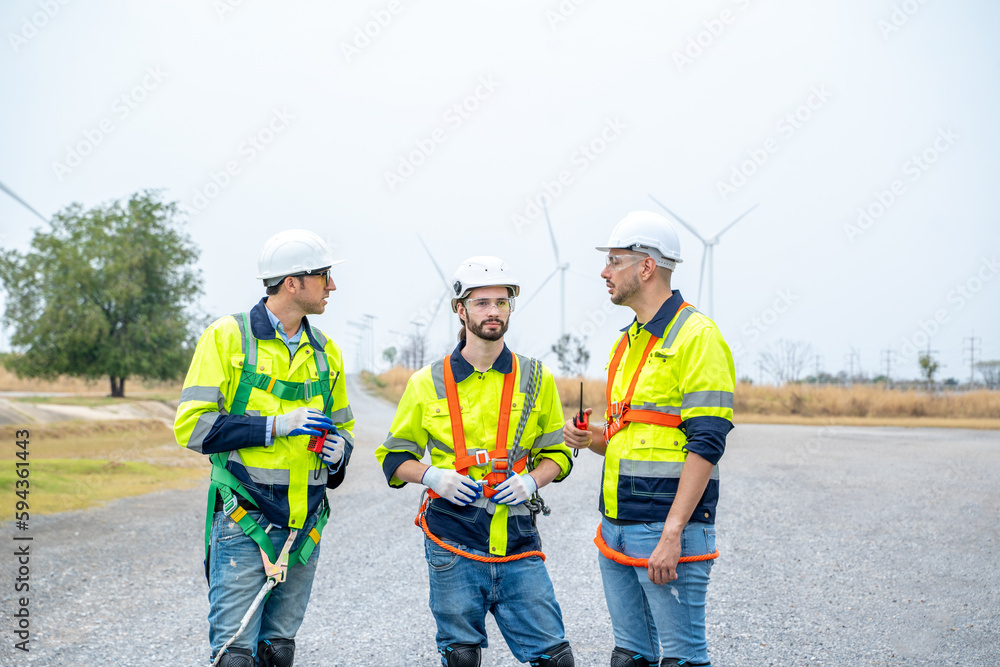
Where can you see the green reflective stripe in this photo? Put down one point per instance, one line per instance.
(203, 394)
(679, 321)
(708, 399)
(436, 444)
(665, 409)
(657, 469)
(201, 429)
(548, 440)
(342, 416)
(437, 374)
(394, 444)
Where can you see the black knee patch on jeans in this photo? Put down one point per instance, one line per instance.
(275, 653)
(621, 657)
(559, 655)
(677, 662)
(237, 657)
(462, 655)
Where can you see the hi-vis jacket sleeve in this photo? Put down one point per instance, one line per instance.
(707, 385)
(341, 413)
(550, 444)
(202, 422)
(407, 438)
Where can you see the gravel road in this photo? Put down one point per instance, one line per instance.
(840, 546)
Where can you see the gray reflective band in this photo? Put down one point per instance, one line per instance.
(342, 416)
(657, 469)
(205, 423)
(400, 445)
(653, 407)
(437, 444)
(252, 352)
(524, 365)
(320, 338)
(319, 477)
(203, 394)
(437, 373)
(348, 437)
(548, 440)
(668, 342)
(320, 357)
(267, 476)
(708, 399)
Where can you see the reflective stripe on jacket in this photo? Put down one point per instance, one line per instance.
(286, 480)
(422, 423)
(689, 373)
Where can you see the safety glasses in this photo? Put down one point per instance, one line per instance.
(486, 305)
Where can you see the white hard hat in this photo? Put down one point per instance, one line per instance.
(651, 233)
(292, 252)
(482, 271)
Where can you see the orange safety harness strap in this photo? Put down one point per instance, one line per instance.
(421, 521)
(496, 458)
(620, 413)
(621, 558)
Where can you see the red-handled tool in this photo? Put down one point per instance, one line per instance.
(316, 441)
(581, 420)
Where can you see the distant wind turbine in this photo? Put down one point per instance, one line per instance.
(707, 255)
(561, 268)
(446, 295)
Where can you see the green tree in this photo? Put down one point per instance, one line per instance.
(103, 293)
(928, 366)
(573, 355)
(389, 354)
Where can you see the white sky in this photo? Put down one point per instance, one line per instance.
(678, 130)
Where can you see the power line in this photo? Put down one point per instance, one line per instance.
(969, 346)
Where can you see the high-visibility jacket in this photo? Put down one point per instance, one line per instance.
(688, 374)
(423, 422)
(286, 481)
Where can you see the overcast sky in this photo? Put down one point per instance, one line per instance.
(373, 122)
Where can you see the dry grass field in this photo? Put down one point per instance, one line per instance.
(10, 382)
(795, 404)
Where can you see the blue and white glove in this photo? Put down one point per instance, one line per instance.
(333, 449)
(455, 488)
(304, 421)
(515, 490)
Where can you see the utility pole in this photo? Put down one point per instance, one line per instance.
(818, 365)
(887, 359)
(370, 333)
(854, 356)
(969, 346)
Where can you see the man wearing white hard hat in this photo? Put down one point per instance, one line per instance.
(670, 396)
(492, 421)
(265, 399)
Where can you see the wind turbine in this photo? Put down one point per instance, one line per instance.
(446, 295)
(21, 201)
(561, 268)
(707, 255)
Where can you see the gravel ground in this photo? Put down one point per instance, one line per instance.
(840, 546)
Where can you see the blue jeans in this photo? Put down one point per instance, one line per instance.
(518, 593)
(236, 574)
(668, 620)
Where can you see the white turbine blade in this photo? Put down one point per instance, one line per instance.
(701, 275)
(434, 262)
(552, 236)
(537, 291)
(677, 218)
(586, 275)
(21, 201)
(736, 220)
(436, 309)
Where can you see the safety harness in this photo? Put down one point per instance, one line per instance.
(499, 460)
(230, 489)
(618, 415)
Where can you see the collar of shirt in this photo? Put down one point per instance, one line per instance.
(658, 325)
(461, 369)
(293, 342)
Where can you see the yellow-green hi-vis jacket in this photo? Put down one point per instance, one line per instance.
(689, 372)
(422, 423)
(285, 480)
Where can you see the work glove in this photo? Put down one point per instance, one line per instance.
(455, 488)
(333, 449)
(515, 490)
(304, 421)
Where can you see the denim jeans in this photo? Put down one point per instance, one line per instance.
(668, 620)
(236, 574)
(518, 593)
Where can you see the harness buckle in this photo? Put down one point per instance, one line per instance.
(230, 505)
(306, 389)
(482, 457)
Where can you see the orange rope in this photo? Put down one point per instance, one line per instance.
(617, 557)
(422, 522)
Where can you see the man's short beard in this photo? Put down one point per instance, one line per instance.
(477, 329)
(625, 290)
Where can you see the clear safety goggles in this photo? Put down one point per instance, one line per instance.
(619, 262)
(486, 305)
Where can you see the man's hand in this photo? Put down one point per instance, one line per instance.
(662, 566)
(515, 490)
(575, 437)
(333, 449)
(304, 421)
(455, 488)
